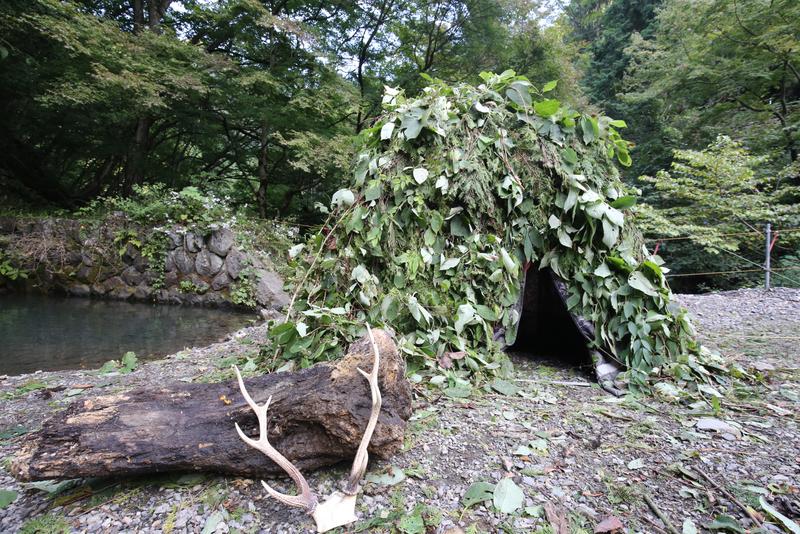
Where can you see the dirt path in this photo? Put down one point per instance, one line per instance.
(571, 449)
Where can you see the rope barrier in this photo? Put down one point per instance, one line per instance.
(721, 334)
(762, 267)
(734, 234)
(709, 273)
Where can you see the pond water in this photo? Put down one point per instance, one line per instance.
(53, 333)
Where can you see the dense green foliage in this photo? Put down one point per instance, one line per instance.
(259, 101)
(734, 65)
(720, 183)
(683, 73)
(253, 100)
(454, 192)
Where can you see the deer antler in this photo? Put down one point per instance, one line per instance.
(362, 456)
(339, 508)
(306, 499)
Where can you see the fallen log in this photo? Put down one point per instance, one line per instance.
(317, 418)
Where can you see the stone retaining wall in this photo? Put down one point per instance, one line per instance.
(117, 259)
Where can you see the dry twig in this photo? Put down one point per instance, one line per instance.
(750, 513)
(656, 510)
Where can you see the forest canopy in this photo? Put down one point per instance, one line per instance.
(261, 102)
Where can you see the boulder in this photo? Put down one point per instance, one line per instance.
(207, 263)
(221, 241)
(169, 261)
(269, 290)
(88, 274)
(132, 276)
(193, 242)
(116, 288)
(114, 282)
(235, 263)
(74, 258)
(174, 239)
(79, 290)
(201, 286)
(184, 261)
(171, 296)
(142, 292)
(170, 279)
(98, 289)
(86, 258)
(131, 254)
(221, 281)
(213, 300)
(140, 262)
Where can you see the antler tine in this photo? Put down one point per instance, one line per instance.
(362, 456)
(306, 499)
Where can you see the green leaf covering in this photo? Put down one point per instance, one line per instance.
(624, 202)
(129, 362)
(549, 86)
(439, 254)
(546, 108)
(787, 523)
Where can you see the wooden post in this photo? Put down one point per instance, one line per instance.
(767, 259)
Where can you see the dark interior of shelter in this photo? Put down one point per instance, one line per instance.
(546, 328)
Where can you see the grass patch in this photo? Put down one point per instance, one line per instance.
(22, 390)
(46, 524)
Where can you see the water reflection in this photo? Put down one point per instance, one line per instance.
(52, 333)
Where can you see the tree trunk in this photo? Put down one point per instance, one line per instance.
(317, 418)
(138, 16)
(137, 155)
(263, 174)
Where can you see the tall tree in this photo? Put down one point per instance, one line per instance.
(74, 85)
(726, 67)
(284, 112)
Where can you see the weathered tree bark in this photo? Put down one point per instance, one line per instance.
(317, 418)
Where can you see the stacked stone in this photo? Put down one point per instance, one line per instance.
(210, 263)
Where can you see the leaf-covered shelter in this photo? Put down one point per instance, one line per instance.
(456, 195)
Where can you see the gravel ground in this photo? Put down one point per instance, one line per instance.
(578, 455)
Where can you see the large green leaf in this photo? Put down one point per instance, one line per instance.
(386, 130)
(519, 93)
(569, 155)
(412, 523)
(129, 362)
(610, 233)
(420, 175)
(726, 523)
(343, 197)
(549, 86)
(547, 108)
(637, 280)
(624, 202)
(478, 492)
(507, 497)
(787, 523)
(7, 497)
